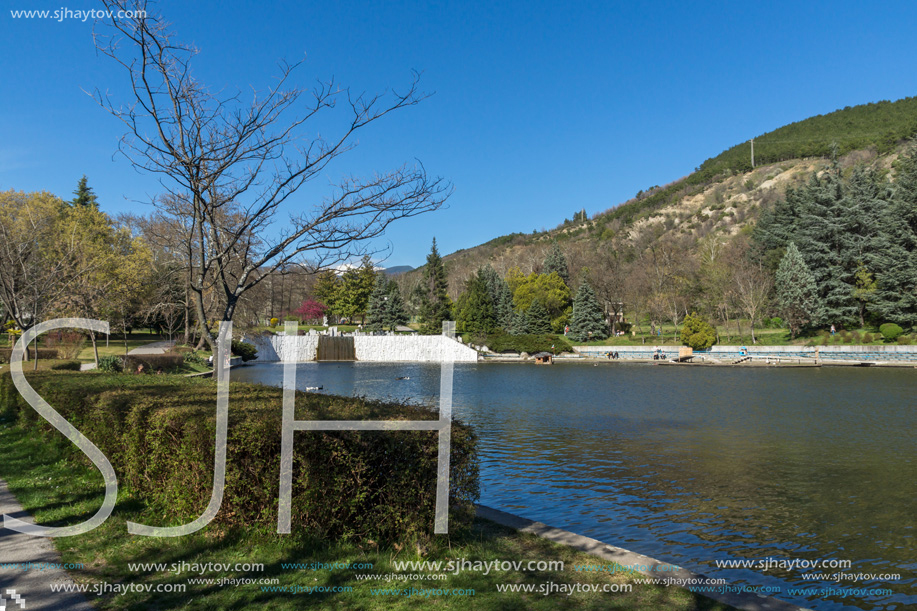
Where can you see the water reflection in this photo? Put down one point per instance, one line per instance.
(690, 465)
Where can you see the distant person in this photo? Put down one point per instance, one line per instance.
(833, 330)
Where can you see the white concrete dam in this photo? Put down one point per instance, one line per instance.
(368, 348)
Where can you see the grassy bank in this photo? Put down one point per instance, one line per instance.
(728, 335)
(57, 487)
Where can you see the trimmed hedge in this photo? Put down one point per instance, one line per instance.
(530, 343)
(66, 366)
(47, 354)
(158, 432)
(151, 362)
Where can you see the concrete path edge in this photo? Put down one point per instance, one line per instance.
(745, 601)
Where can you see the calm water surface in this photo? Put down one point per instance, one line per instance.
(690, 464)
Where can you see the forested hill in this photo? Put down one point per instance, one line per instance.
(722, 197)
(879, 125)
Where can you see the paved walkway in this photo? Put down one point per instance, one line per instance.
(31, 583)
(153, 348)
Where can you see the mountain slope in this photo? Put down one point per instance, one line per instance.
(724, 196)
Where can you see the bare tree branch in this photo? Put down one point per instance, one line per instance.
(231, 166)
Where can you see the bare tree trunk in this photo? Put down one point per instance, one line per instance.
(272, 298)
(187, 317)
(95, 347)
(206, 336)
(124, 331)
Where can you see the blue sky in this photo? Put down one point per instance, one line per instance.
(540, 109)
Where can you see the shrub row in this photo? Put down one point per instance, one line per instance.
(158, 432)
(530, 343)
(151, 362)
(49, 354)
(65, 366)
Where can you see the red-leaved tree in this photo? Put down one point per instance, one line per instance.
(312, 310)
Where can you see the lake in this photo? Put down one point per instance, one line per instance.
(690, 464)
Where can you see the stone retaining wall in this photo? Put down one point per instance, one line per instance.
(893, 353)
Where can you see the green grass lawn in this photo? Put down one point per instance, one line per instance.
(59, 489)
(116, 345)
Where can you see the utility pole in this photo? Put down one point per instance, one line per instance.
(752, 153)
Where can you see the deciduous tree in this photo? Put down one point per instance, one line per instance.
(228, 159)
(697, 332)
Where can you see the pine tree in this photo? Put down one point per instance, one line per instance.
(825, 241)
(504, 307)
(435, 306)
(539, 321)
(396, 312)
(835, 224)
(588, 321)
(866, 203)
(386, 307)
(520, 323)
(896, 264)
(84, 194)
(492, 280)
(376, 312)
(475, 309)
(796, 292)
(556, 262)
(776, 227)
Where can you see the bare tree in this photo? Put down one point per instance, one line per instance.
(717, 288)
(637, 290)
(168, 233)
(666, 283)
(228, 159)
(753, 290)
(606, 275)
